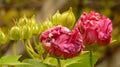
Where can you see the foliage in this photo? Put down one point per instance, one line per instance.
(33, 63)
(10, 60)
(82, 60)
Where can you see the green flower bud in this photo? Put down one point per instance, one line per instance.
(31, 22)
(15, 33)
(26, 32)
(26, 21)
(56, 18)
(68, 19)
(22, 21)
(2, 38)
(45, 25)
(35, 29)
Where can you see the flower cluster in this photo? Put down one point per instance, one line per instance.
(94, 28)
(90, 28)
(24, 29)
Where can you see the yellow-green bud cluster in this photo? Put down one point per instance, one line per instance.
(66, 19)
(45, 25)
(26, 27)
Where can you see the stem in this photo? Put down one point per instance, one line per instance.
(14, 47)
(30, 48)
(36, 45)
(14, 50)
(59, 64)
(29, 44)
(33, 52)
(35, 41)
(91, 64)
(25, 45)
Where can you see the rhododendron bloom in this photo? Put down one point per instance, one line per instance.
(61, 42)
(94, 28)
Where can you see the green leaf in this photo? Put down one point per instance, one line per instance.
(51, 61)
(82, 60)
(34, 63)
(10, 60)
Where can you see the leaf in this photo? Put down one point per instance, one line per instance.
(33, 63)
(75, 65)
(82, 60)
(50, 61)
(10, 60)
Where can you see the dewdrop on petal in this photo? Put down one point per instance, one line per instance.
(68, 19)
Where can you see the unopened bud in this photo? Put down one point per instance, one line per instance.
(15, 33)
(56, 18)
(22, 21)
(35, 29)
(45, 25)
(68, 19)
(31, 21)
(26, 32)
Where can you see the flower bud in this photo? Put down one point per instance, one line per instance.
(68, 19)
(22, 21)
(56, 18)
(45, 25)
(31, 22)
(35, 29)
(2, 38)
(26, 32)
(15, 33)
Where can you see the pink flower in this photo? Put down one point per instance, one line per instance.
(104, 31)
(94, 28)
(61, 42)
